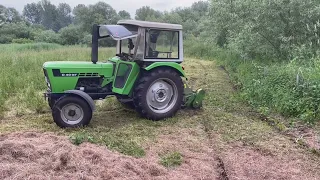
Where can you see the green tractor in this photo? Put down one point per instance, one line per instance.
(145, 75)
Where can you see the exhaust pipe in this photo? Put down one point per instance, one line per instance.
(95, 44)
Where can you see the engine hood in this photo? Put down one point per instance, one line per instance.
(71, 64)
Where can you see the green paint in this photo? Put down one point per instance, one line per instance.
(168, 64)
(60, 84)
(132, 77)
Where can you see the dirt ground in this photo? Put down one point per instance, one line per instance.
(222, 141)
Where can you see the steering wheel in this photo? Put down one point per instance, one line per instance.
(125, 56)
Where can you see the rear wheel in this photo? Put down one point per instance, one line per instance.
(159, 93)
(71, 111)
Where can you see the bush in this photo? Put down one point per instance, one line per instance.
(86, 40)
(22, 41)
(15, 30)
(71, 35)
(6, 39)
(48, 36)
(291, 88)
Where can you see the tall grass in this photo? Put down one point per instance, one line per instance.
(290, 88)
(22, 79)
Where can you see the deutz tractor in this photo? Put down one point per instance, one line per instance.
(145, 74)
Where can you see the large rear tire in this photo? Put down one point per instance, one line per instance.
(158, 94)
(71, 112)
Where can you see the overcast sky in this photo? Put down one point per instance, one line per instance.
(128, 5)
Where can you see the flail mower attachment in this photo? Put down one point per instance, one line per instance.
(192, 99)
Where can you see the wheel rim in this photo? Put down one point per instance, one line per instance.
(72, 114)
(162, 95)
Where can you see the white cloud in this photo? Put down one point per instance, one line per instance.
(128, 5)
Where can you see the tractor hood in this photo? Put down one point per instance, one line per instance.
(71, 64)
(78, 68)
(64, 75)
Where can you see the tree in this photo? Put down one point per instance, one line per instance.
(268, 28)
(124, 14)
(9, 15)
(2, 16)
(146, 12)
(32, 12)
(49, 15)
(99, 13)
(64, 15)
(12, 15)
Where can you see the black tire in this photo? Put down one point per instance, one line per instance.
(126, 102)
(51, 103)
(146, 80)
(80, 104)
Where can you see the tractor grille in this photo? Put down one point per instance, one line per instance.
(88, 74)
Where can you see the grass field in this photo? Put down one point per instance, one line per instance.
(22, 80)
(225, 140)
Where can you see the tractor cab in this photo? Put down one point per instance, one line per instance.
(142, 41)
(145, 75)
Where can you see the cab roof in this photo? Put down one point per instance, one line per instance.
(147, 24)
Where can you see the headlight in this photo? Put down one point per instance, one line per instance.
(46, 78)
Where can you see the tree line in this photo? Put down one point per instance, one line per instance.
(46, 22)
(274, 29)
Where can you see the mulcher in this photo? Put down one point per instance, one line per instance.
(145, 74)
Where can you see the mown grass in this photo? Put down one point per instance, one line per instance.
(123, 130)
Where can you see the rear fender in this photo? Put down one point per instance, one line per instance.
(173, 65)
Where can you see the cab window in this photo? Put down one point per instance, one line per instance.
(161, 44)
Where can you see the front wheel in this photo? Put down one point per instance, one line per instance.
(71, 112)
(159, 93)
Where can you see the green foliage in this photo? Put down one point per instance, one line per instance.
(22, 41)
(267, 29)
(171, 160)
(48, 15)
(80, 137)
(124, 14)
(10, 31)
(124, 146)
(9, 15)
(32, 12)
(99, 13)
(146, 13)
(86, 40)
(48, 36)
(71, 35)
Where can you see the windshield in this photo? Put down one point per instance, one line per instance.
(128, 46)
(117, 32)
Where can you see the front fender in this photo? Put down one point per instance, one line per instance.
(85, 96)
(173, 65)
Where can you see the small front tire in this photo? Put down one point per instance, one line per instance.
(71, 112)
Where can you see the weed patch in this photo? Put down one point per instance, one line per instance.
(172, 159)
